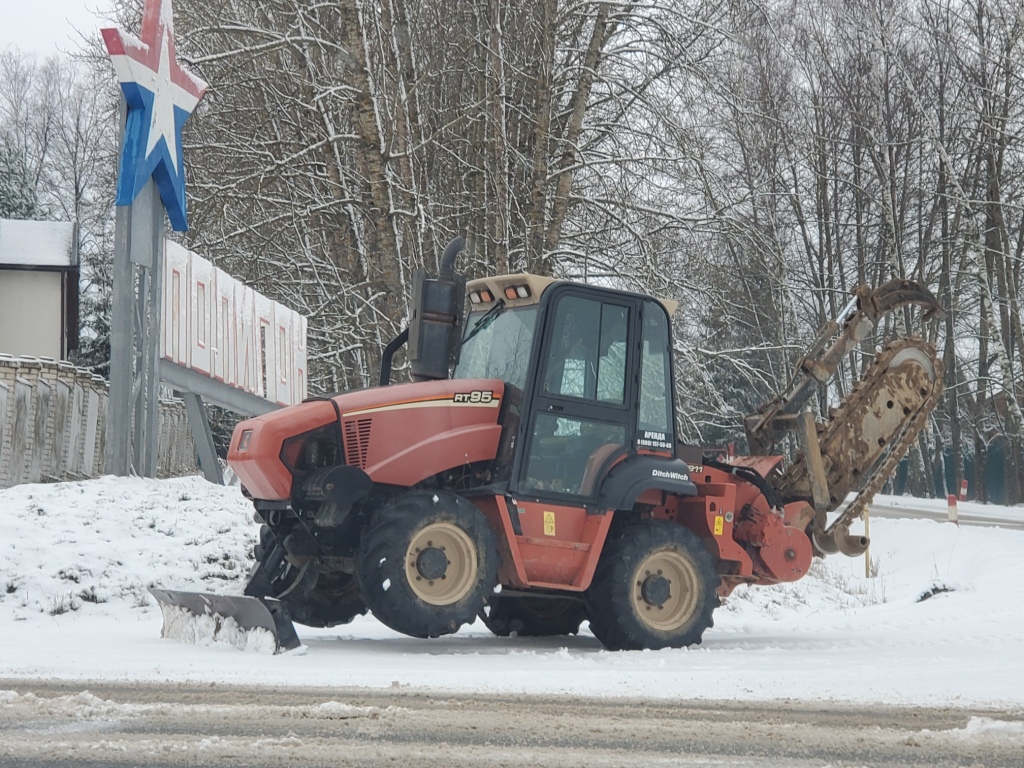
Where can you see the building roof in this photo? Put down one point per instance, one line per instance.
(37, 243)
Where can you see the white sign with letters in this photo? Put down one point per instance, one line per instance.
(218, 327)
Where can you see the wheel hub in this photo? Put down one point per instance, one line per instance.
(432, 563)
(441, 563)
(656, 589)
(665, 591)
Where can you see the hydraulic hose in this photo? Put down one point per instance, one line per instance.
(751, 476)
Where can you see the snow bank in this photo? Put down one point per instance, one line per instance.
(87, 706)
(939, 622)
(979, 730)
(95, 546)
(78, 706)
(336, 710)
(184, 626)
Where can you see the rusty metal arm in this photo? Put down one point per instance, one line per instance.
(854, 324)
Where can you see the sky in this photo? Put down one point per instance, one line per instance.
(46, 27)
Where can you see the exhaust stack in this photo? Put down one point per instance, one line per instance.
(435, 318)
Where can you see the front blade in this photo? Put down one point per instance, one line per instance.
(248, 612)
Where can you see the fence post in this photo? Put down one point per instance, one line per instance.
(4, 390)
(20, 430)
(40, 417)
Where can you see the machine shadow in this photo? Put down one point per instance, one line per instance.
(473, 645)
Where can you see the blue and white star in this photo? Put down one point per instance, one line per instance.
(161, 95)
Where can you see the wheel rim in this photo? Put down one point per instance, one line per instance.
(434, 581)
(665, 590)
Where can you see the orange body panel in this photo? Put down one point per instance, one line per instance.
(398, 435)
(711, 515)
(734, 521)
(558, 549)
(560, 546)
(510, 568)
(258, 465)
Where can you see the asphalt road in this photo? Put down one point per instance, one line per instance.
(56, 724)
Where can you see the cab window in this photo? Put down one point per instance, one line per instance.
(655, 412)
(587, 357)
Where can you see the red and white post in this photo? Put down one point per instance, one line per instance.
(954, 516)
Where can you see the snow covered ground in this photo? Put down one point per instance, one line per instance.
(75, 559)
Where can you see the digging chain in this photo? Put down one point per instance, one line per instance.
(898, 447)
(851, 465)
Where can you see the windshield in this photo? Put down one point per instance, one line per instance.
(499, 348)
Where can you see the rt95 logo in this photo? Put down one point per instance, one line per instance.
(480, 396)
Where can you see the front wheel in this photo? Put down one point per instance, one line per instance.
(655, 587)
(427, 563)
(313, 597)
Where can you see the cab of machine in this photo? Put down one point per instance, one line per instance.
(592, 367)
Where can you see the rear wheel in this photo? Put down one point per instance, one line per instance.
(312, 597)
(426, 563)
(655, 587)
(533, 616)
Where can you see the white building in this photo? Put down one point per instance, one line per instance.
(38, 288)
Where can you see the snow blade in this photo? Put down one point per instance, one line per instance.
(248, 612)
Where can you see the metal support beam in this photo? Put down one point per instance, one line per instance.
(133, 413)
(213, 391)
(146, 253)
(807, 437)
(203, 437)
(117, 448)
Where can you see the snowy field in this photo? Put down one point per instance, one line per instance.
(76, 558)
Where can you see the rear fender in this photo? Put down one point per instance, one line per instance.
(631, 478)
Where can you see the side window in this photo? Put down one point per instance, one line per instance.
(611, 361)
(567, 452)
(587, 358)
(655, 374)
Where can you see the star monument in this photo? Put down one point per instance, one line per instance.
(161, 95)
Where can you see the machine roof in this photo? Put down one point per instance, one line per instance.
(537, 284)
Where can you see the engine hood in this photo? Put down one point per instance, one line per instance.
(398, 435)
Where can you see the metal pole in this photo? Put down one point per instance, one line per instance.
(151, 352)
(145, 250)
(867, 534)
(139, 379)
(122, 348)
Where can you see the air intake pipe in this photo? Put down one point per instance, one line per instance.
(435, 317)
